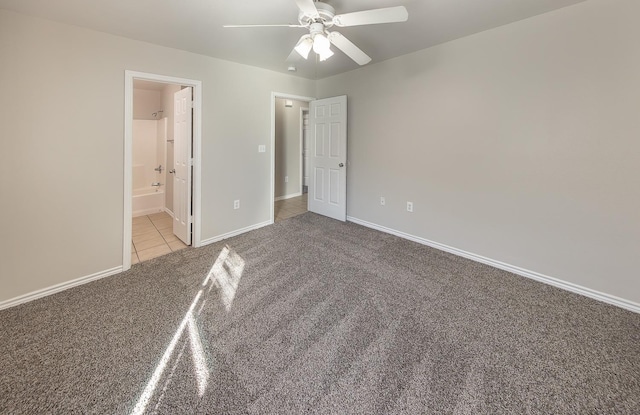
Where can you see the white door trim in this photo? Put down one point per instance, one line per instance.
(129, 76)
(275, 95)
(302, 111)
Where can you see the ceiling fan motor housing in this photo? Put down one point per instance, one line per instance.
(316, 28)
(325, 11)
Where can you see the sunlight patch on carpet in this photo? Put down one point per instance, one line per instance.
(224, 274)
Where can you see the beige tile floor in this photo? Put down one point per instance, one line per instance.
(289, 208)
(153, 234)
(153, 237)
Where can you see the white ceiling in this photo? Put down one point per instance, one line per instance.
(196, 25)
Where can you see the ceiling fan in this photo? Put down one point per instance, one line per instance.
(318, 17)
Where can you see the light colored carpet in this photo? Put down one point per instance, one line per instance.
(311, 315)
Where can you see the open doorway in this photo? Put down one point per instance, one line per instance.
(153, 170)
(289, 144)
(162, 168)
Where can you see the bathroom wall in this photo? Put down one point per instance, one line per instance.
(145, 104)
(161, 153)
(149, 137)
(288, 150)
(167, 105)
(145, 152)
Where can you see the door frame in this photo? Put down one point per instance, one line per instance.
(302, 111)
(281, 95)
(196, 200)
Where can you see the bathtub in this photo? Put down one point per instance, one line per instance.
(147, 200)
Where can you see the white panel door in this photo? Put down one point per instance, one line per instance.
(328, 157)
(305, 149)
(182, 165)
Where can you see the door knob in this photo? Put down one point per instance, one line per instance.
(341, 165)
(172, 171)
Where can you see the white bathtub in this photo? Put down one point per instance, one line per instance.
(148, 200)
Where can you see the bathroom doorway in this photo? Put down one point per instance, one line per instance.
(162, 142)
(153, 161)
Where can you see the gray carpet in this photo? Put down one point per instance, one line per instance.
(315, 316)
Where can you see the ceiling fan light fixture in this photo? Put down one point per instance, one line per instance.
(304, 46)
(324, 55)
(321, 44)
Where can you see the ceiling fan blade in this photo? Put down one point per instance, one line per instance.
(262, 25)
(349, 48)
(308, 8)
(375, 16)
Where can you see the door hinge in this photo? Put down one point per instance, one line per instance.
(190, 162)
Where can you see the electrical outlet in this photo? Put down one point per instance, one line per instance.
(262, 148)
(286, 179)
(409, 206)
(236, 204)
(382, 201)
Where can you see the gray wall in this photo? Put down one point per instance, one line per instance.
(520, 144)
(288, 150)
(62, 170)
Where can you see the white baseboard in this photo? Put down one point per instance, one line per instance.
(287, 196)
(57, 288)
(234, 233)
(170, 213)
(587, 292)
(83, 280)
